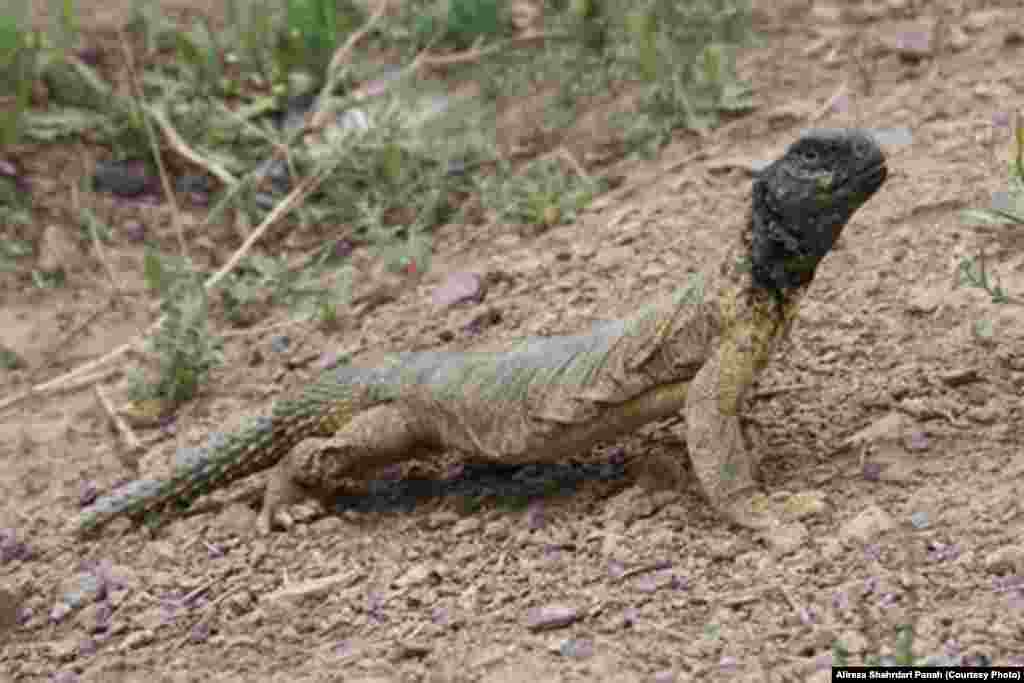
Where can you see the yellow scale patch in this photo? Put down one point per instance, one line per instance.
(335, 419)
(749, 332)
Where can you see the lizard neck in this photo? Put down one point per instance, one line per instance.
(736, 281)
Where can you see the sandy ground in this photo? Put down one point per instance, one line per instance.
(892, 406)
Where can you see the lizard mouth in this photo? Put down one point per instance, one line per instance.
(869, 179)
(861, 185)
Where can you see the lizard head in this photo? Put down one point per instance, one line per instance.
(802, 201)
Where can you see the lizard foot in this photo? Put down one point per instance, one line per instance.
(281, 492)
(273, 519)
(761, 514)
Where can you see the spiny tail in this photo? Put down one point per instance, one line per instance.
(224, 459)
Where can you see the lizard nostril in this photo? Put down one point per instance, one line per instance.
(863, 149)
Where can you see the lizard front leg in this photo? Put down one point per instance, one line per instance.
(378, 436)
(718, 449)
(717, 446)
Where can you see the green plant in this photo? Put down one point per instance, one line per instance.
(262, 278)
(390, 156)
(684, 55)
(11, 250)
(9, 360)
(972, 272)
(1006, 207)
(903, 654)
(19, 59)
(202, 52)
(396, 165)
(263, 44)
(25, 54)
(903, 651)
(676, 58)
(148, 20)
(471, 20)
(184, 348)
(312, 31)
(63, 29)
(401, 249)
(251, 23)
(840, 655)
(93, 228)
(80, 101)
(542, 193)
(443, 24)
(48, 280)
(390, 172)
(272, 44)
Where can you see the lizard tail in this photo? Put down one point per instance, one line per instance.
(133, 498)
(222, 460)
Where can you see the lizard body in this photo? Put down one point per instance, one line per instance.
(696, 352)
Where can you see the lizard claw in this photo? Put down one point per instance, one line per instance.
(265, 522)
(271, 519)
(280, 492)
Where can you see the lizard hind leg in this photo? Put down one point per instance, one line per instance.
(318, 467)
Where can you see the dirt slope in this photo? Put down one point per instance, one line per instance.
(889, 408)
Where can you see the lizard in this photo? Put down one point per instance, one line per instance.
(694, 354)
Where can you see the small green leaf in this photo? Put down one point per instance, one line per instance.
(391, 162)
(642, 29)
(188, 51)
(984, 330)
(153, 270)
(64, 26)
(983, 217)
(44, 280)
(98, 230)
(13, 248)
(728, 471)
(904, 646)
(9, 360)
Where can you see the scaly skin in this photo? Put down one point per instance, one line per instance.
(697, 353)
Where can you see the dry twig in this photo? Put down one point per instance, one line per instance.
(181, 147)
(133, 443)
(136, 86)
(341, 55)
(477, 53)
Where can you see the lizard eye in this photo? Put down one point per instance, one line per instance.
(809, 155)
